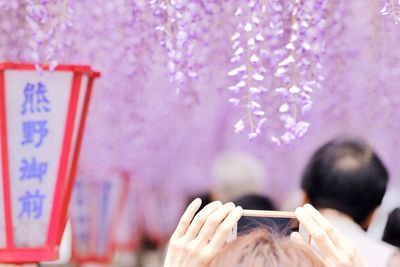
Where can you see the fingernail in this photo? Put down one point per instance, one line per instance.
(308, 206)
(196, 200)
(230, 204)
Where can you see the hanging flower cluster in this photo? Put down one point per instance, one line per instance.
(282, 55)
(178, 27)
(392, 8)
(299, 71)
(248, 71)
(47, 21)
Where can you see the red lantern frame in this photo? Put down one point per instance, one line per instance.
(64, 184)
(107, 258)
(132, 244)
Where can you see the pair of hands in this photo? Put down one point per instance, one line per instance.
(198, 239)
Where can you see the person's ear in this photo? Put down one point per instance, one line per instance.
(367, 222)
(304, 199)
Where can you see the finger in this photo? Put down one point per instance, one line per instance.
(213, 221)
(317, 233)
(340, 240)
(223, 230)
(200, 219)
(187, 217)
(297, 238)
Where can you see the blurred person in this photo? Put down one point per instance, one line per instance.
(292, 199)
(391, 233)
(261, 248)
(237, 174)
(255, 202)
(200, 241)
(346, 180)
(389, 203)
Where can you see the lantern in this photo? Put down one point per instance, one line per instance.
(129, 230)
(42, 118)
(95, 213)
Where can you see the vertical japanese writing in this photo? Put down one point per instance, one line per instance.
(35, 99)
(32, 204)
(34, 133)
(33, 169)
(81, 216)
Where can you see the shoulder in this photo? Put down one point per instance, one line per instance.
(367, 245)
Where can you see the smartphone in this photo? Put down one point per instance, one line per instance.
(282, 223)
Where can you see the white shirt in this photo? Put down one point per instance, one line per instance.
(376, 252)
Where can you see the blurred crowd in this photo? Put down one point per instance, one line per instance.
(345, 180)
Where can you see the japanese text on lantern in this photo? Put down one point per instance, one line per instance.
(81, 216)
(33, 169)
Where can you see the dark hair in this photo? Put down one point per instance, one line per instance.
(392, 228)
(281, 226)
(206, 199)
(255, 202)
(347, 175)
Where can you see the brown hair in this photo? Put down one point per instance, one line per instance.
(261, 248)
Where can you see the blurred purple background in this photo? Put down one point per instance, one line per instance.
(167, 142)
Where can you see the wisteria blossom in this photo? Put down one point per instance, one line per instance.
(340, 58)
(47, 21)
(300, 71)
(179, 20)
(291, 59)
(248, 71)
(392, 8)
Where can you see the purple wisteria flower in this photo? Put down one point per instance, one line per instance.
(47, 21)
(392, 8)
(248, 72)
(276, 59)
(299, 72)
(179, 28)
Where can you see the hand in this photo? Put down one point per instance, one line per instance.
(195, 242)
(395, 260)
(337, 250)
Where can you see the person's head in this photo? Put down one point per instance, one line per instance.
(237, 174)
(346, 175)
(255, 202)
(261, 248)
(392, 228)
